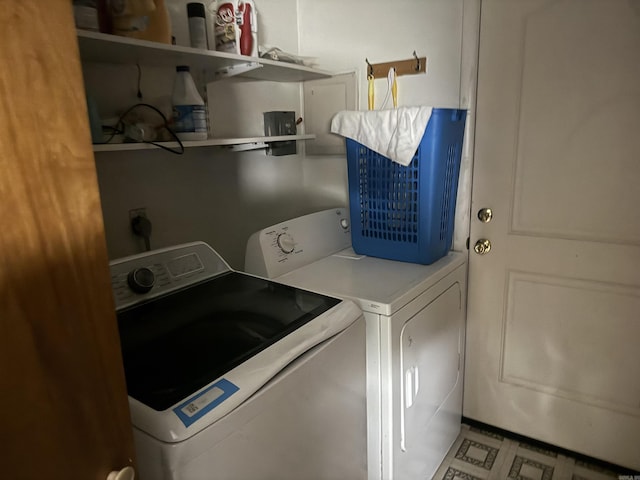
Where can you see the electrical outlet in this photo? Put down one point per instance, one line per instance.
(137, 212)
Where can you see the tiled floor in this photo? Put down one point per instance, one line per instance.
(479, 454)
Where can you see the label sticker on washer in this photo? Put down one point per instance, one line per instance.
(192, 409)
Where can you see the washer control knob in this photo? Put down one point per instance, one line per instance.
(286, 243)
(141, 280)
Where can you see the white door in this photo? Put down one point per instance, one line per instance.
(553, 342)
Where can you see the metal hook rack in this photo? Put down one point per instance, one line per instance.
(412, 66)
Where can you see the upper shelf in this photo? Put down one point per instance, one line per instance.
(104, 48)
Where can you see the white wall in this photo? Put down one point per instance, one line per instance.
(208, 194)
(342, 34)
(221, 197)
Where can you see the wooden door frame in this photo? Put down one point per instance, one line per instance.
(64, 403)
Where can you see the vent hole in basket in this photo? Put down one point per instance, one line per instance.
(446, 192)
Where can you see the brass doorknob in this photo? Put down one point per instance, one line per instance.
(485, 215)
(482, 246)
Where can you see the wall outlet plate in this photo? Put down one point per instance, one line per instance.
(137, 212)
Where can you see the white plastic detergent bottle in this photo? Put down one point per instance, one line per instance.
(189, 110)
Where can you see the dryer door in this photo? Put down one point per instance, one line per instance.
(431, 384)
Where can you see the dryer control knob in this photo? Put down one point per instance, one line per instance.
(286, 243)
(141, 280)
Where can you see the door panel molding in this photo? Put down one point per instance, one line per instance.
(569, 344)
(577, 126)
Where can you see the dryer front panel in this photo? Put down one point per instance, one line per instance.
(430, 360)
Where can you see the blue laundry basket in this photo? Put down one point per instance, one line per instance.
(407, 213)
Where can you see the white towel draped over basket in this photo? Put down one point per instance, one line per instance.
(395, 133)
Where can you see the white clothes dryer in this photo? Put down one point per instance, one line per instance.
(415, 324)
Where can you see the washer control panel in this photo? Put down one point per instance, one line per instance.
(278, 249)
(140, 277)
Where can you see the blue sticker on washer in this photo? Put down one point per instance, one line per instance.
(191, 410)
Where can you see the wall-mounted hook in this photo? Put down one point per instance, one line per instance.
(417, 67)
(411, 66)
(369, 69)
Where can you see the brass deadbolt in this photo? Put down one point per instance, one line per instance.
(485, 215)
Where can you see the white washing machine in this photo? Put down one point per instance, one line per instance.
(415, 323)
(231, 376)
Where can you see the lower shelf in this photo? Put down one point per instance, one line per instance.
(248, 143)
